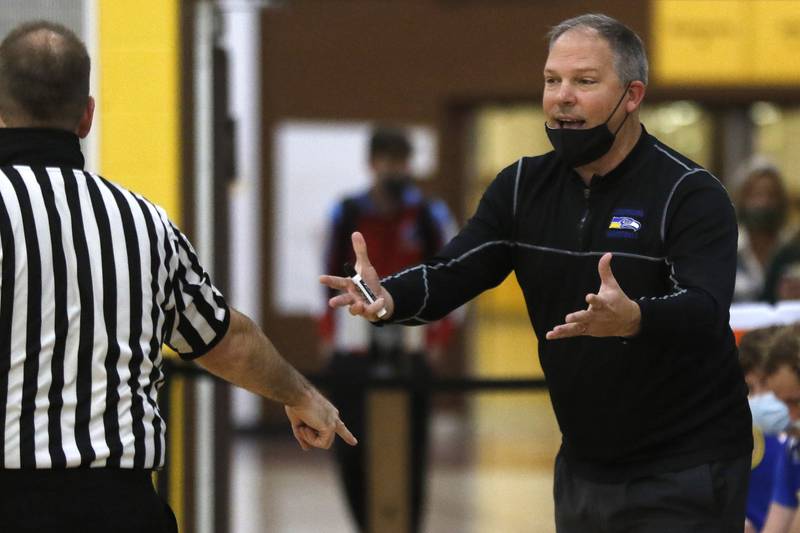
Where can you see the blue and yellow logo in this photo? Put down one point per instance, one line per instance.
(625, 223)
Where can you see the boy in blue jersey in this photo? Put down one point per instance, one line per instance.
(768, 452)
(782, 369)
(786, 485)
(770, 419)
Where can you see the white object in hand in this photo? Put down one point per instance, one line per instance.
(365, 290)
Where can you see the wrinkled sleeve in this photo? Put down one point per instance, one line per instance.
(700, 236)
(478, 258)
(198, 317)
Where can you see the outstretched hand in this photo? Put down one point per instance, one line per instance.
(315, 423)
(350, 296)
(610, 313)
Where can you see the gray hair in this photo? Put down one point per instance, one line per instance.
(630, 59)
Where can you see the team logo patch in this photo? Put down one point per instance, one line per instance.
(628, 223)
(625, 223)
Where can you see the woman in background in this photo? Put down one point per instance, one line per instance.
(762, 207)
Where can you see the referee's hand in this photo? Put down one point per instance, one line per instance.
(315, 422)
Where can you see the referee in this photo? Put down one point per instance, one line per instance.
(94, 280)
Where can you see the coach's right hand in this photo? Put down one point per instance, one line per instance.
(351, 297)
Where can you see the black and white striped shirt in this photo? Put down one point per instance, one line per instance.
(94, 279)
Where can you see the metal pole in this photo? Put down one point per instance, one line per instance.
(204, 242)
(242, 40)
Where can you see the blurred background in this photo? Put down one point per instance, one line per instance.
(247, 120)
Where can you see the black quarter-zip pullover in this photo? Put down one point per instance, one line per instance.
(673, 396)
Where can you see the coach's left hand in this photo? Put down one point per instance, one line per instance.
(610, 313)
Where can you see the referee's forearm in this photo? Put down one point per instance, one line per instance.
(248, 359)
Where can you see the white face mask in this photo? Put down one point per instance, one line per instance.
(770, 415)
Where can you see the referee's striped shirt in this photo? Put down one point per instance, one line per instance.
(94, 279)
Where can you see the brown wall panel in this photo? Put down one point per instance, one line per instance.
(400, 60)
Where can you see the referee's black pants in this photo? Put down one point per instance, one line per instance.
(351, 400)
(709, 498)
(90, 500)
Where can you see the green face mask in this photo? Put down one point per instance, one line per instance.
(761, 218)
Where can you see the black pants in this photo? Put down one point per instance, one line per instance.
(101, 500)
(350, 398)
(709, 498)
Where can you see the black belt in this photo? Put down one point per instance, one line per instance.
(11, 478)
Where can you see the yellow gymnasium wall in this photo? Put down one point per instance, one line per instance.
(139, 98)
(138, 124)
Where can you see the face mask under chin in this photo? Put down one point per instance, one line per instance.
(578, 147)
(768, 219)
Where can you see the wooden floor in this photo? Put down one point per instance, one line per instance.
(491, 471)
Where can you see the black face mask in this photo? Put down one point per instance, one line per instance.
(395, 185)
(766, 219)
(579, 147)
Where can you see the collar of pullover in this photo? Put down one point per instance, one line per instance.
(630, 162)
(40, 147)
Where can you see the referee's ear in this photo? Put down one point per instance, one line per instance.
(85, 125)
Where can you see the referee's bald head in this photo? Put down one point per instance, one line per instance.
(44, 77)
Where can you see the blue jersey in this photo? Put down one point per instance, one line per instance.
(767, 451)
(787, 475)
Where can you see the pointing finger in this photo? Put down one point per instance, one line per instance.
(345, 434)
